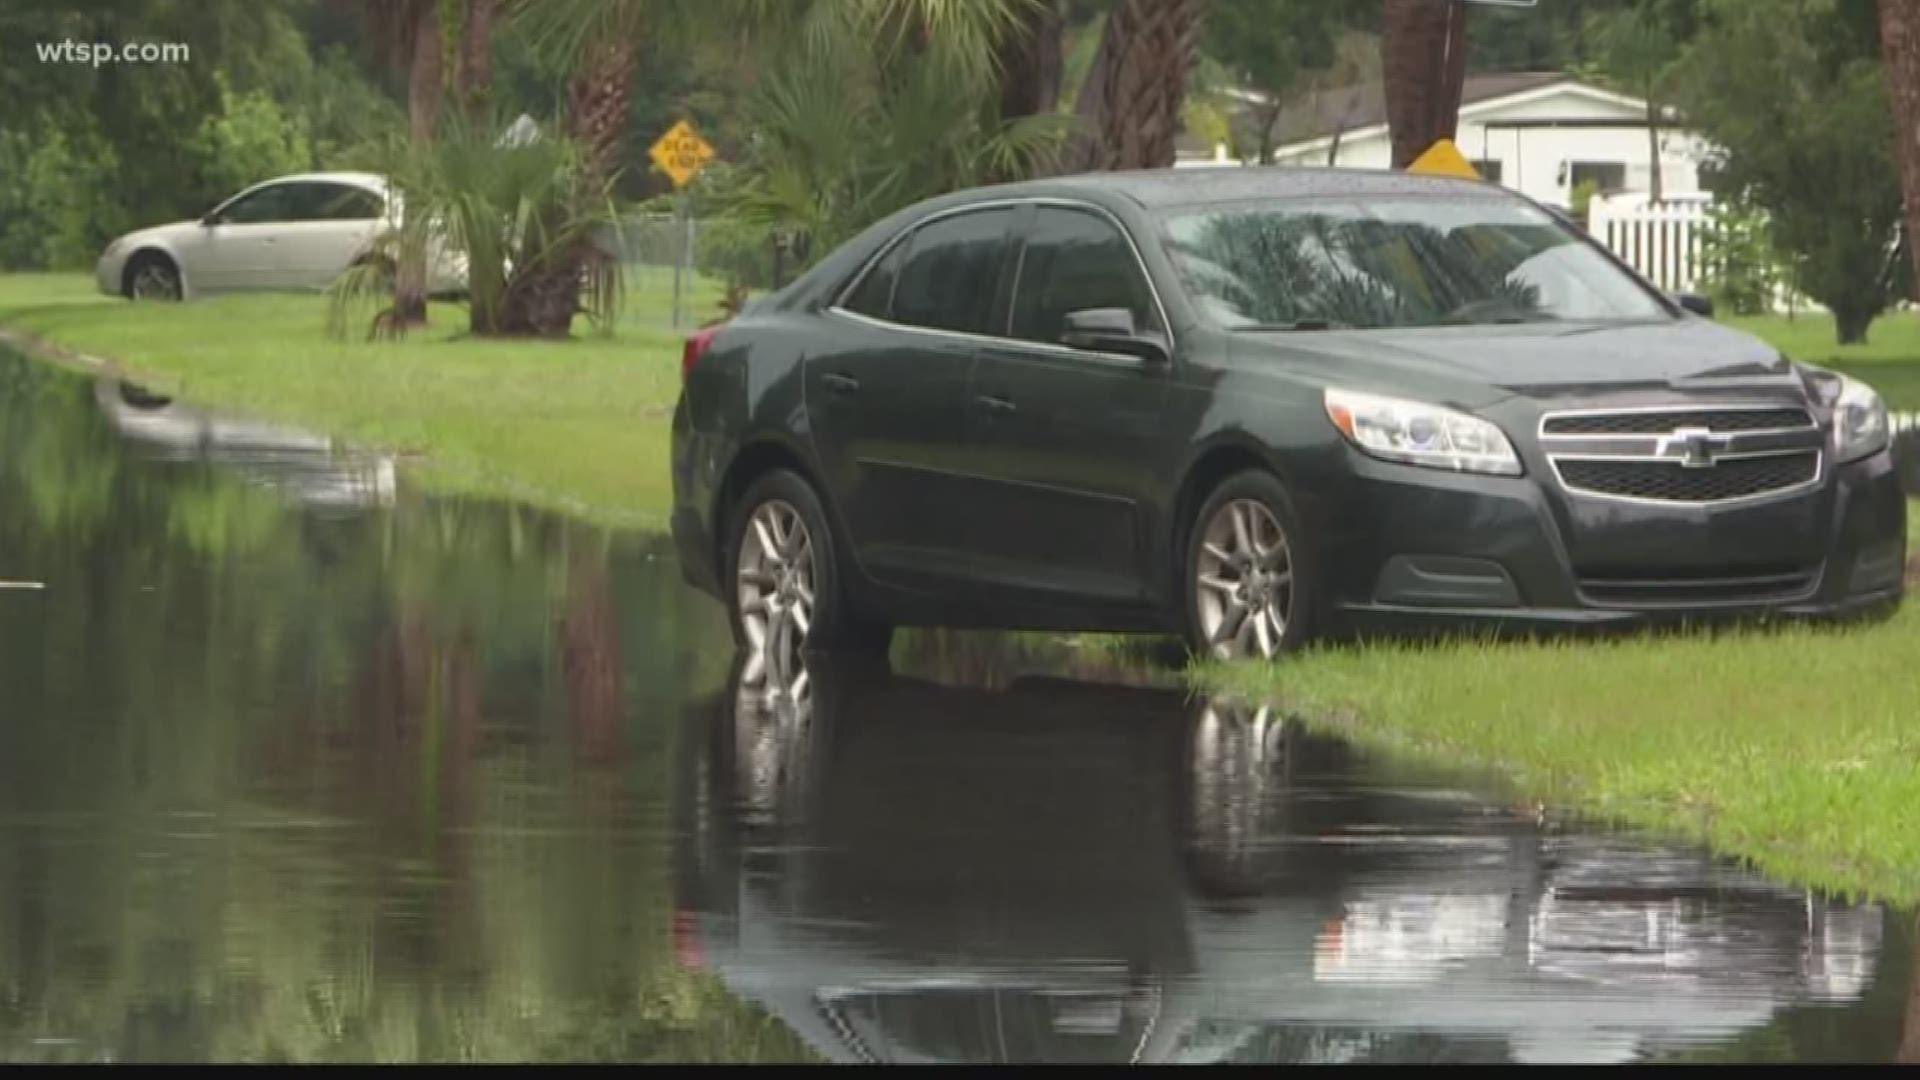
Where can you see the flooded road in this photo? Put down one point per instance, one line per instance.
(296, 764)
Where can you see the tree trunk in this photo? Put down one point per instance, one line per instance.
(597, 103)
(1424, 45)
(425, 91)
(1909, 1052)
(544, 296)
(1129, 107)
(1850, 323)
(1030, 62)
(1268, 116)
(1900, 41)
(1655, 182)
(473, 66)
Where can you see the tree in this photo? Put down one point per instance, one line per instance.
(1793, 94)
(1900, 41)
(1424, 50)
(1030, 60)
(1129, 107)
(1636, 47)
(1265, 47)
(601, 39)
(846, 133)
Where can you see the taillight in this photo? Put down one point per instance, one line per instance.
(694, 349)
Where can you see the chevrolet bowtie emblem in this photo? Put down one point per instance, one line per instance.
(1695, 447)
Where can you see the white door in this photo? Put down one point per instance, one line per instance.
(333, 223)
(238, 246)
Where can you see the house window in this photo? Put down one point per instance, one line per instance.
(1607, 175)
(1488, 168)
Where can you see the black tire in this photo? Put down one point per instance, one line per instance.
(828, 622)
(1302, 602)
(151, 276)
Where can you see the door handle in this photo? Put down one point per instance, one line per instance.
(996, 404)
(840, 383)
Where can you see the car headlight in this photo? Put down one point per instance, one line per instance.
(1421, 434)
(1860, 426)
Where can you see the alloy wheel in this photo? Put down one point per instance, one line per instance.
(155, 281)
(1243, 581)
(774, 583)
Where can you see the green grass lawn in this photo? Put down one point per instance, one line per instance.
(1889, 360)
(1797, 748)
(578, 425)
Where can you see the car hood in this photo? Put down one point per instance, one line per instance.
(1483, 363)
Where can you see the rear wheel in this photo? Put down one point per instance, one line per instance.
(1250, 589)
(784, 584)
(151, 276)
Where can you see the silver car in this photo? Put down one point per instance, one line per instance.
(290, 233)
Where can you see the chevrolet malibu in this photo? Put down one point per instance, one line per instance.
(1256, 406)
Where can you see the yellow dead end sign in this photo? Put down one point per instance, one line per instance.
(1444, 159)
(681, 153)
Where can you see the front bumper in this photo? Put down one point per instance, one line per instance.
(107, 273)
(1413, 549)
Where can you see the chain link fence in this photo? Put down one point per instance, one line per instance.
(711, 254)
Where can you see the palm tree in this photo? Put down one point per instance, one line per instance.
(602, 39)
(1900, 42)
(1130, 105)
(514, 210)
(409, 32)
(1425, 47)
(846, 133)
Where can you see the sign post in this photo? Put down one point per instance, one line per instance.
(681, 153)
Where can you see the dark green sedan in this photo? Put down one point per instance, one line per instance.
(1253, 406)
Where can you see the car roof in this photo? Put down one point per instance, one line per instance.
(1151, 188)
(370, 181)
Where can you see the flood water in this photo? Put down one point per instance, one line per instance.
(296, 764)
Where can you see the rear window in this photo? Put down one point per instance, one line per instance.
(948, 278)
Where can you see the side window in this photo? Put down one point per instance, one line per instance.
(948, 279)
(1076, 260)
(874, 296)
(274, 203)
(338, 202)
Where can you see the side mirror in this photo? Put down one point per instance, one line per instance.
(1111, 330)
(209, 219)
(1695, 303)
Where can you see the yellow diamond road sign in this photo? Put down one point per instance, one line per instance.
(681, 153)
(1444, 159)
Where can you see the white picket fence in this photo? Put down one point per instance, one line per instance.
(1661, 240)
(1664, 241)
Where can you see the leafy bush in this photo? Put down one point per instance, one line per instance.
(1741, 269)
(58, 203)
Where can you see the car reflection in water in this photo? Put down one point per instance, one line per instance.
(309, 469)
(1061, 871)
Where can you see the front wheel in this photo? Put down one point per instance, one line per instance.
(1250, 586)
(152, 276)
(784, 590)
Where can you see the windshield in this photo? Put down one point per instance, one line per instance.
(1340, 263)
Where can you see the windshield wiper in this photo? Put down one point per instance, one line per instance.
(1303, 324)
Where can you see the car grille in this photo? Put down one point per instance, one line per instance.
(1692, 455)
(1653, 588)
(1664, 421)
(1671, 481)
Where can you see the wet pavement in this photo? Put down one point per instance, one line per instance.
(296, 764)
